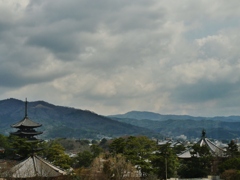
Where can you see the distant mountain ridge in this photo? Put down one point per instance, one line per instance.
(68, 122)
(141, 115)
(222, 128)
(59, 121)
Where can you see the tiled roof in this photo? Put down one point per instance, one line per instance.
(34, 166)
(26, 122)
(186, 154)
(214, 149)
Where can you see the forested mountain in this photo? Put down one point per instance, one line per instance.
(140, 115)
(222, 128)
(66, 122)
(153, 116)
(59, 121)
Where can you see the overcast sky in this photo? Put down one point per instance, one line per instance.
(114, 56)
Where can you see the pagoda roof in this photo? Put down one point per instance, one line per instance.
(32, 167)
(26, 133)
(26, 122)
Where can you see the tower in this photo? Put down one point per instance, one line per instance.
(26, 128)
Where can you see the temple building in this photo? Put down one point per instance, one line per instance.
(204, 141)
(33, 167)
(26, 128)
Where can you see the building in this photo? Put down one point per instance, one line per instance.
(26, 128)
(204, 141)
(34, 167)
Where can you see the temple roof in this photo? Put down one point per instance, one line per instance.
(34, 166)
(214, 149)
(27, 133)
(186, 154)
(26, 122)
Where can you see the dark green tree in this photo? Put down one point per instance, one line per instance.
(96, 150)
(165, 162)
(83, 159)
(5, 146)
(19, 147)
(199, 165)
(179, 148)
(117, 146)
(139, 150)
(55, 153)
(231, 163)
(232, 149)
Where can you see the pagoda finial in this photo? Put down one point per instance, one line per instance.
(203, 133)
(26, 108)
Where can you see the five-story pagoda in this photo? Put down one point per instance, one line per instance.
(26, 128)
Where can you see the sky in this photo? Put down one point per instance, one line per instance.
(114, 56)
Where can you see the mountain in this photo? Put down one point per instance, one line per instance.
(140, 115)
(153, 116)
(59, 121)
(66, 122)
(222, 128)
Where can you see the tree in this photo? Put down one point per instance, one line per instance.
(96, 150)
(117, 146)
(139, 150)
(179, 148)
(20, 147)
(55, 153)
(231, 174)
(199, 165)
(116, 167)
(232, 163)
(84, 159)
(232, 149)
(5, 145)
(165, 162)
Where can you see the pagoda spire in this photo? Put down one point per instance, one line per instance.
(26, 128)
(26, 107)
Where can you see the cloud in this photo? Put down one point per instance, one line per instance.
(116, 56)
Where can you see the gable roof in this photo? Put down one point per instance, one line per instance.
(34, 166)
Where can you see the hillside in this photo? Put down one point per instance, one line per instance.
(66, 122)
(59, 121)
(222, 128)
(140, 115)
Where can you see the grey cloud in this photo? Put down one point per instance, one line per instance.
(120, 55)
(16, 80)
(203, 91)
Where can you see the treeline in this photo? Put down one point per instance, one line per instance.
(133, 157)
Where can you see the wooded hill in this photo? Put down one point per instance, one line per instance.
(63, 122)
(221, 128)
(67, 122)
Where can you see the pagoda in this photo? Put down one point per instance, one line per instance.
(26, 128)
(34, 167)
